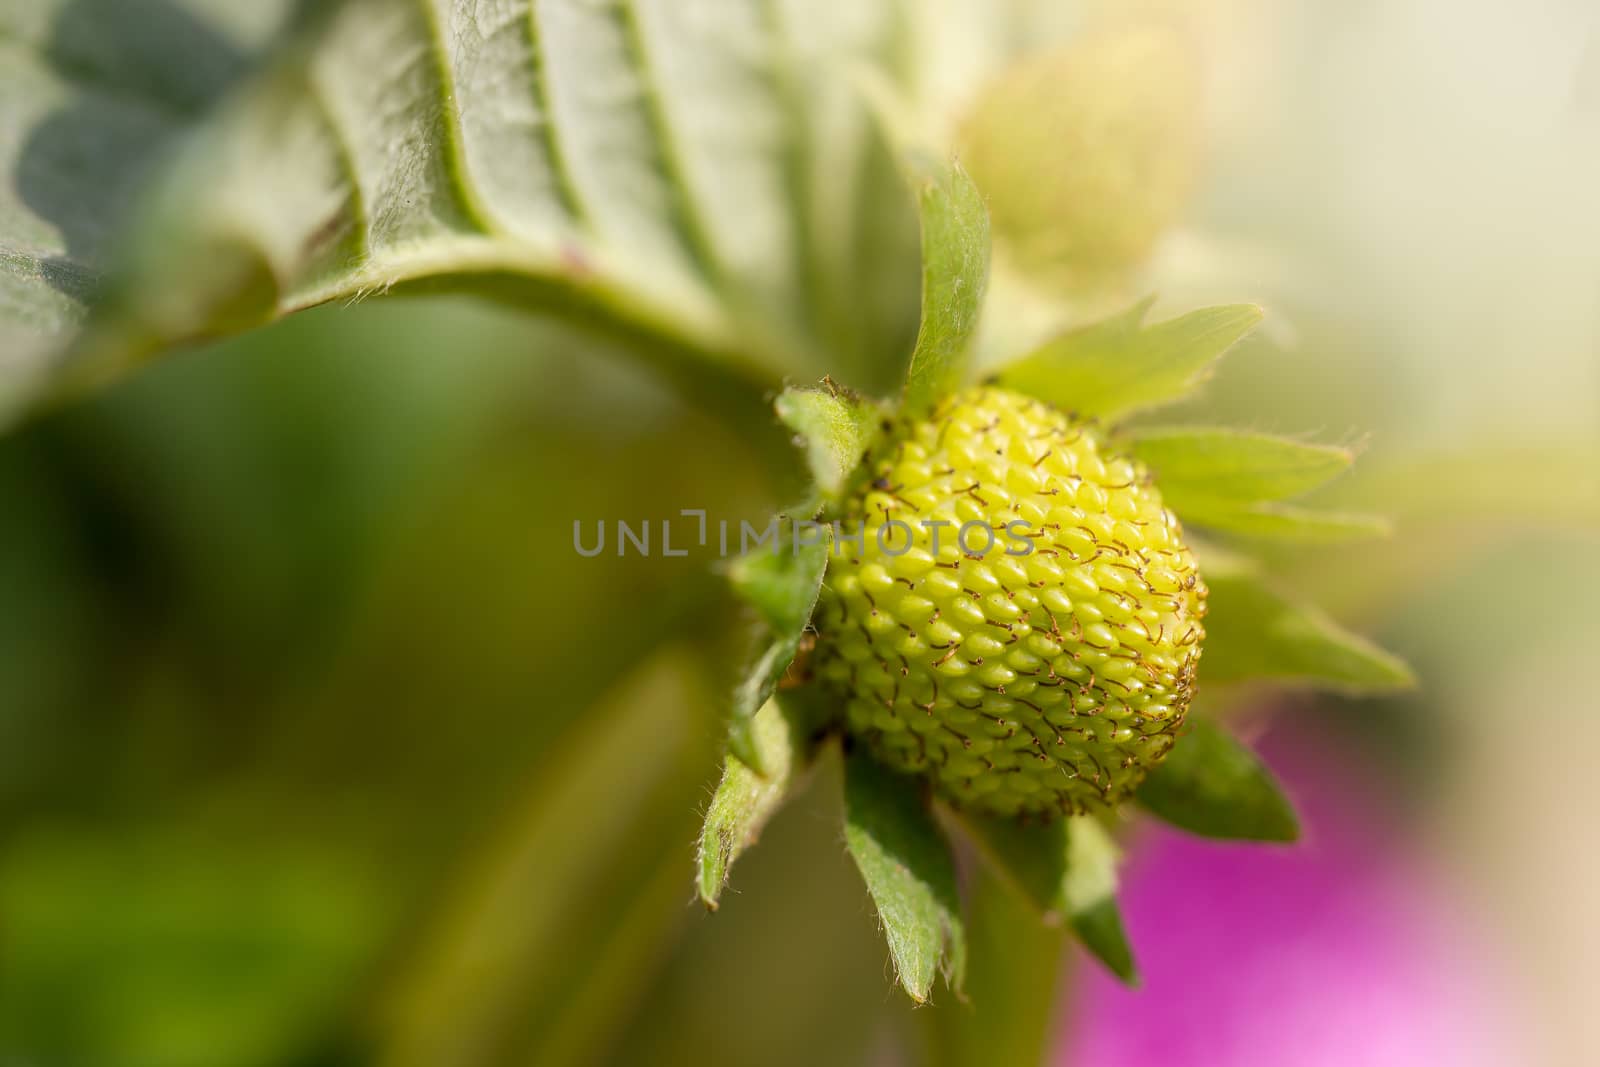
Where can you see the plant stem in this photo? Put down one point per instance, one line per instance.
(1013, 981)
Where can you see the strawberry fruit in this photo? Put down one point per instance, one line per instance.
(1010, 612)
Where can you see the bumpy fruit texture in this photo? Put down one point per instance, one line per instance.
(1042, 684)
(1087, 154)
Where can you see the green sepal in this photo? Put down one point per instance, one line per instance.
(1236, 481)
(782, 584)
(836, 428)
(1201, 464)
(1099, 929)
(1254, 632)
(782, 735)
(905, 860)
(1118, 366)
(955, 252)
(955, 275)
(1067, 869)
(1274, 521)
(1211, 784)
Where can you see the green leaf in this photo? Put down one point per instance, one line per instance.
(1067, 869)
(906, 863)
(1211, 784)
(693, 180)
(701, 180)
(782, 583)
(836, 427)
(92, 94)
(1253, 632)
(1214, 465)
(1116, 367)
(744, 800)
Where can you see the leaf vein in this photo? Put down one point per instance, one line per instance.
(567, 189)
(690, 221)
(466, 194)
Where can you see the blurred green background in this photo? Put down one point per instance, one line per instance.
(299, 673)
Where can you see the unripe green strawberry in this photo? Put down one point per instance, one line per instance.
(1041, 683)
(1087, 153)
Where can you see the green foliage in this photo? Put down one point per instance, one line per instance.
(1254, 632)
(782, 583)
(955, 274)
(712, 194)
(745, 800)
(639, 175)
(92, 94)
(836, 427)
(1118, 366)
(1195, 466)
(905, 860)
(1287, 522)
(1067, 871)
(1236, 481)
(1216, 787)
